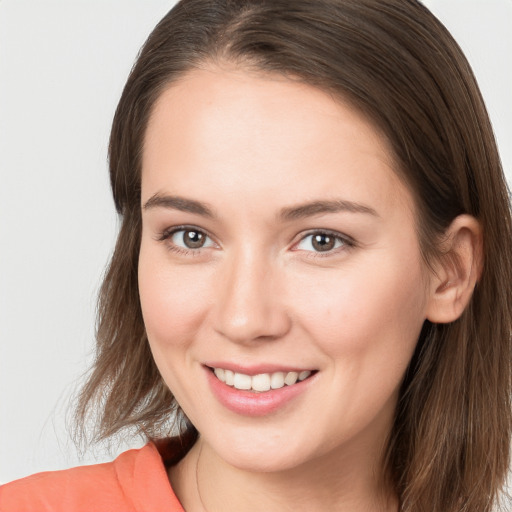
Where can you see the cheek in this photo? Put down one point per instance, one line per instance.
(172, 299)
(367, 308)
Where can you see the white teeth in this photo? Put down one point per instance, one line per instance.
(242, 381)
(277, 380)
(219, 373)
(304, 375)
(291, 378)
(261, 382)
(230, 377)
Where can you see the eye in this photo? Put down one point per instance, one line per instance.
(323, 242)
(186, 238)
(189, 238)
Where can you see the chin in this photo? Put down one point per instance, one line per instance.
(249, 452)
(262, 461)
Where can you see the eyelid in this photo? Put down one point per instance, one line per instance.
(347, 242)
(166, 234)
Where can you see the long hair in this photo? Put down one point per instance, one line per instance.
(395, 62)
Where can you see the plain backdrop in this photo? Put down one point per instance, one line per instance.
(63, 64)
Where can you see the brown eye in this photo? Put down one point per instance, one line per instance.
(323, 242)
(187, 238)
(193, 239)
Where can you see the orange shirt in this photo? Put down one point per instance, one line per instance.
(135, 481)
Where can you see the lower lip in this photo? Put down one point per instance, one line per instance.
(249, 403)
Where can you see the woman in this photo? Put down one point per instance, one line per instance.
(308, 307)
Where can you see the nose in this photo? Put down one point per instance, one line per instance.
(250, 304)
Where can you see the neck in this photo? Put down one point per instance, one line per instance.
(336, 482)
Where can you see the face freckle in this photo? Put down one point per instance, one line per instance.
(259, 165)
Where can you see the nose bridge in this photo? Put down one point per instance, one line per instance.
(250, 306)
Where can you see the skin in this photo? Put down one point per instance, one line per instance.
(259, 292)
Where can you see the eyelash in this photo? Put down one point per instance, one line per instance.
(347, 242)
(168, 233)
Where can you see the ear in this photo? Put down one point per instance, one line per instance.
(457, 270)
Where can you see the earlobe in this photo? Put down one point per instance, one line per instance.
(457, 271)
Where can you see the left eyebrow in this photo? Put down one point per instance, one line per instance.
(319, 207)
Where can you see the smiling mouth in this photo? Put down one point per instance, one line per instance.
(261, 382)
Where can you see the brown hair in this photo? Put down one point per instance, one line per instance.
(449, 448)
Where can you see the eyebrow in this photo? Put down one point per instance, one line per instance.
(320, 207)
(178, 203)
(286, 214)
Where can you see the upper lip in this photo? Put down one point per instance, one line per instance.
(256, 369)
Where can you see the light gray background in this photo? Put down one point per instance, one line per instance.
(63, 64)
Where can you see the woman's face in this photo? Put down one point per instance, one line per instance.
(278, 244)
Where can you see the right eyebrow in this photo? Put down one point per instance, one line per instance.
(178, 203)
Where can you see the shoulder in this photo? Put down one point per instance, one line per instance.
(73, 489)
(135, 481)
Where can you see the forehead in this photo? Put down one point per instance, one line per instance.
(249, 132)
